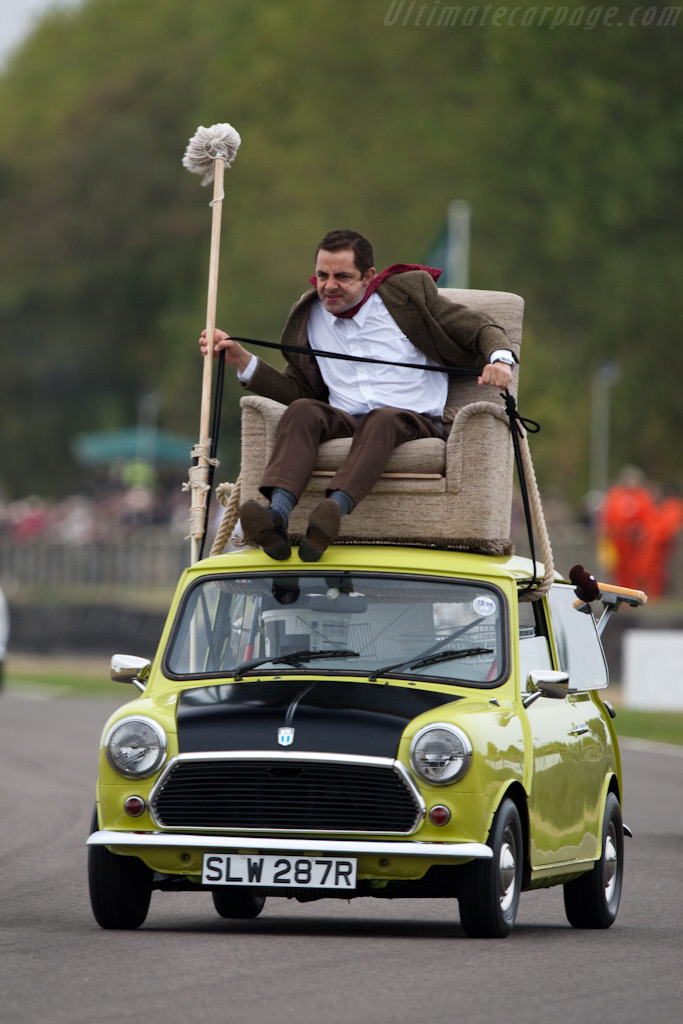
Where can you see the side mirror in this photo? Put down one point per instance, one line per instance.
(126, 668)
(549, 683)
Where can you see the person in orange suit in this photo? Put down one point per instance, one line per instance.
(626, 521)
(666, 522)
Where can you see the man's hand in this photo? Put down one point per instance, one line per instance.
(498, 375)
(235, 354)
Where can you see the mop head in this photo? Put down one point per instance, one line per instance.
(208, 145)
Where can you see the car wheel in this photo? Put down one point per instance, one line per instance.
(489, 897)
(236, 904)
(120, 887)
(592, 901)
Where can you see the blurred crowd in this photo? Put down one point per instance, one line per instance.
(110, 513)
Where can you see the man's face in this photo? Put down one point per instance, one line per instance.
(340, 283)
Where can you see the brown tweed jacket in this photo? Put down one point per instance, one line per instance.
(447, 332)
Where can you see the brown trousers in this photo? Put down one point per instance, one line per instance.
(306, 423)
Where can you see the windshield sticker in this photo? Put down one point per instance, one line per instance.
(484, 605)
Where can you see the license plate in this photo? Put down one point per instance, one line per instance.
(274, 870)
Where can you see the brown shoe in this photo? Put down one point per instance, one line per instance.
(265, 527)
(323, 529)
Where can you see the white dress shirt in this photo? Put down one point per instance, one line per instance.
(359, 387)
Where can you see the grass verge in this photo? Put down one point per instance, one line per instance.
(657, 726)
(61, 676)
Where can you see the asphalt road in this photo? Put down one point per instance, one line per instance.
(367, 962)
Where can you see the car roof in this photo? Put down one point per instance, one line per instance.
(379, 558)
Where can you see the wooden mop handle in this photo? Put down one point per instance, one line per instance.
(199, 494)
(212, 297)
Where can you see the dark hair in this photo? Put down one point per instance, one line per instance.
(337, 241)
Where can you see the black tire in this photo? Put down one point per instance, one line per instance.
(236, 904)
(120, 887)
(489, 895)
(592, 900)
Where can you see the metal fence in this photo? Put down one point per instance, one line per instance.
(146, 561)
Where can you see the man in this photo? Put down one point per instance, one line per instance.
(397, 316)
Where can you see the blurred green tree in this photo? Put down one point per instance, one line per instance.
(567, 143)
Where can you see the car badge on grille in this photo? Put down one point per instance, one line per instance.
(285, 737)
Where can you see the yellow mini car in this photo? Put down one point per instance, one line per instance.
(393, 722)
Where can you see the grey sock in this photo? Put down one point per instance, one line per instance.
(283, 502)
(344, 500)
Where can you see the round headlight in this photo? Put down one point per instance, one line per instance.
(136, 747)
(440, 754)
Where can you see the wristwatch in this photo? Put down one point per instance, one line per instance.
(502, 356)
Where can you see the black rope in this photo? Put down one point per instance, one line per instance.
(320, 353)
(531, 427)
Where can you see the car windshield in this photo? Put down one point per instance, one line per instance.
(451, 630)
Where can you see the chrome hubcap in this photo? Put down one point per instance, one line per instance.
(611, 861)
(507, 870)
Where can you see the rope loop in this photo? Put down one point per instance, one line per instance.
(229, 497)
(531, 426)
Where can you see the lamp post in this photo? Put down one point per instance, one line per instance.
(458, 251)
(605, 377)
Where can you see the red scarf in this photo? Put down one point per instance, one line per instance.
(395, 268)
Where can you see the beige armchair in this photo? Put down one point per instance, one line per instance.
(455, 493)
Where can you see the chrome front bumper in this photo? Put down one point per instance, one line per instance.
(347, 847)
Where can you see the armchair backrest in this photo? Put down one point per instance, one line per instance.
(505, 309)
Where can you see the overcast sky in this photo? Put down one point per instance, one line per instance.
(17, 18)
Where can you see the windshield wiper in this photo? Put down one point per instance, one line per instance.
(296, 658)
(433, 659)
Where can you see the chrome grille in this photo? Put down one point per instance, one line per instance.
(286, 794)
